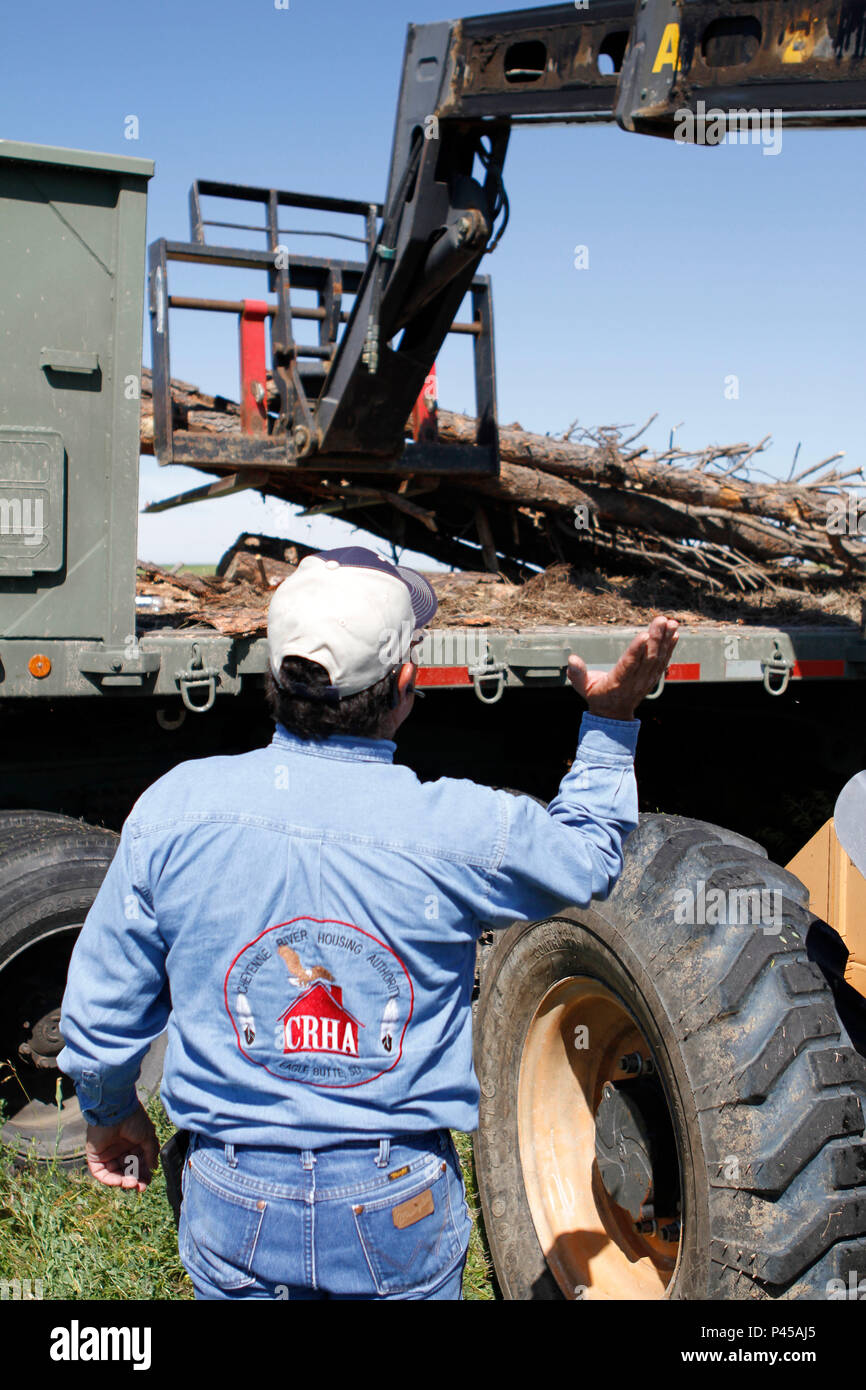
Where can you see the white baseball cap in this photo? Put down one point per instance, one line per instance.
(350, 611)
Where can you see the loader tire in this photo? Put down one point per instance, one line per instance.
(669, 1108)
(51, 868)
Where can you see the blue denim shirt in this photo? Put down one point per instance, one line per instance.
(303, 920)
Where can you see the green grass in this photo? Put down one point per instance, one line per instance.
(83, 1241)
(172, 567)
(479, 1281)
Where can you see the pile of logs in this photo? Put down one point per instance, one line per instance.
(597, 501)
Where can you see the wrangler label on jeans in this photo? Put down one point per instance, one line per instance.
(320, 1002)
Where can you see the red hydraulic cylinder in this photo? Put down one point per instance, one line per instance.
(254, 371)
(424, 422)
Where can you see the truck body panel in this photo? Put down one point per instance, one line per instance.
(72, 233)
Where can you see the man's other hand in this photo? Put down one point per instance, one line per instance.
(616, 694)
(125, 1154)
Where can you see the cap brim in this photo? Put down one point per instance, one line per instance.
(421, 594)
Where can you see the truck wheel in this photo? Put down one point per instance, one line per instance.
(671, 1106)
(50, 870)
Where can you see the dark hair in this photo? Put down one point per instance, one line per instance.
(358, 715)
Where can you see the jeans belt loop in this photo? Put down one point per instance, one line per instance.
(384, 1154)
(308, 1159)
(231, 1159)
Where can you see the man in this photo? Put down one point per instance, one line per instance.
(314, 910)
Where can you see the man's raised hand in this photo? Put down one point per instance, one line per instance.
(616, 694)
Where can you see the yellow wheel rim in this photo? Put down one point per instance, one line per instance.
(574, 1045)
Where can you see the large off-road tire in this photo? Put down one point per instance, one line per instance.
(747, 1110)
(51, 868)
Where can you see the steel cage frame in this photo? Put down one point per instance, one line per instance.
(298, 370)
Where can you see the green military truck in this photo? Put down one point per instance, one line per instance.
(671, 1096)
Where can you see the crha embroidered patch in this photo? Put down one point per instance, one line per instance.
(321, 1002)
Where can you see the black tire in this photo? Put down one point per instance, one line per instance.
(51, 868)
(764, 1089)
(27, 820)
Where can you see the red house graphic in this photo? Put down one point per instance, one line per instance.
(317, 1022)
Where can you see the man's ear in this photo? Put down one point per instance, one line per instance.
(400, 701)
(402, 680)
(404, 683)
(407, 677)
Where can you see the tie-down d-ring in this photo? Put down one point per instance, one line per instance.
(187, 682)
(777, 673)
(194, 676)
(482, 676)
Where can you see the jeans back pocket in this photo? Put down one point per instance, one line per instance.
(219, 1230)
(409, 1237)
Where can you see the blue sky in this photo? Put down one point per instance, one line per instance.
(703, 263)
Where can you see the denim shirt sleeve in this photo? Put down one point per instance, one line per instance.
(572, 851)
(116, 1001)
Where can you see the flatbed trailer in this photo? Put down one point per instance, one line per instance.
(96, 703)
(197, 665)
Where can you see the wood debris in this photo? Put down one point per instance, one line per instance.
(235, 600)
(597, 504)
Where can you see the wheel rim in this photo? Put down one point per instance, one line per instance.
(38, 1117)
(574, 1045)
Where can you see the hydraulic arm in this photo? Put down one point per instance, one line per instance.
(464, 85)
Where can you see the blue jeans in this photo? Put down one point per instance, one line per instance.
(385, 1219)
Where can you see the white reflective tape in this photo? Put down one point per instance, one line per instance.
(744, 671)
